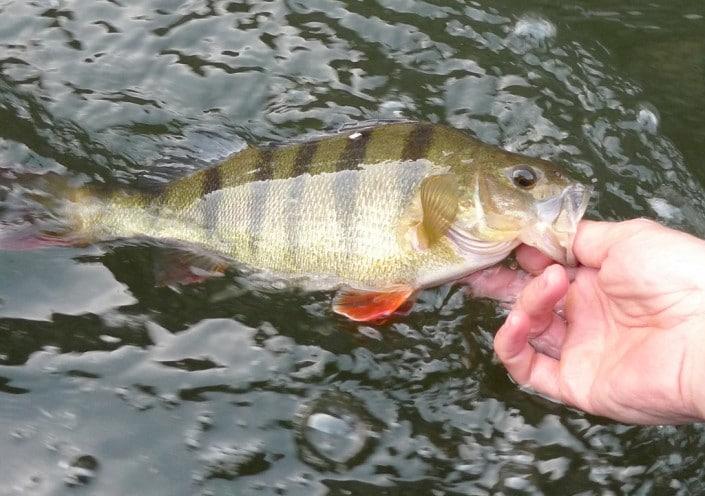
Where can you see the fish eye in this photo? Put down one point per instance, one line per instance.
(524, 177)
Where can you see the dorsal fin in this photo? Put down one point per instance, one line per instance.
(439, 201)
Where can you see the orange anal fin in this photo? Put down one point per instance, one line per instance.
(364, 306)
(180, 268)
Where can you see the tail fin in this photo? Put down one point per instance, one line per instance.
(31, 209)
(30, 237)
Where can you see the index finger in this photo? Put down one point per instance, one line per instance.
(532, 316)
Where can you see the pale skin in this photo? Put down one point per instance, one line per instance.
(622, 335)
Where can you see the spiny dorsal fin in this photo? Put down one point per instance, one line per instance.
(439, 200)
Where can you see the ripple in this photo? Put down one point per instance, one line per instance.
(334, 430)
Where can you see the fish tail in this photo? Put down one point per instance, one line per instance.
(31, 237)
(34, 209)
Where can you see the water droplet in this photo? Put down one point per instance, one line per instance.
(81, 470)
(334, 430)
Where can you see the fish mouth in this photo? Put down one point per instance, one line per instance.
(558, 219)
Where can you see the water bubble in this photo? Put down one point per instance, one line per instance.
(81, 470)
(535, 30)
(334, 430)
(648, 118)
(336, 438)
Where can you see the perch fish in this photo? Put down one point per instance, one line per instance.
(375, 213)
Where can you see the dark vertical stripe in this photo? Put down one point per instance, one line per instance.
(211, 180)
(297, 187)
(354, 152)
(304, 157)
(418, 142)
(265, 166)
(345, 189)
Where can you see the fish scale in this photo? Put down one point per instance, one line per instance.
(354, 239)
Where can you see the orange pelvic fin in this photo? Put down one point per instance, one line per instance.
(362, 306)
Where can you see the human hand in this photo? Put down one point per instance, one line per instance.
(622, 335)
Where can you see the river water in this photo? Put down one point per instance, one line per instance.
(110, 385)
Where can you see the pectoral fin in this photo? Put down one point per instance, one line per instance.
(364, 306)
(177, 267)
(439, 200)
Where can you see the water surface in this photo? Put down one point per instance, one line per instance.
(111, 385)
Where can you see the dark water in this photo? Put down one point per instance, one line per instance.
(110, 385)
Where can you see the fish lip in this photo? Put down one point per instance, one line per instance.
(576, 198)
(574, 202)
(557, 222)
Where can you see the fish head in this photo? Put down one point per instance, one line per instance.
(530, 200)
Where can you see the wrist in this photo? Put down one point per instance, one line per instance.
(699, 399)
(693, 370)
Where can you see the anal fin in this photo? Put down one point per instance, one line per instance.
(363, 306)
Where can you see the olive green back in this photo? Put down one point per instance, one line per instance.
(403, 141)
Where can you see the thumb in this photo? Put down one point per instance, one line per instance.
(594, 239)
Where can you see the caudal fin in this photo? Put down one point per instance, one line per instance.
(31, 207)
(30, 237)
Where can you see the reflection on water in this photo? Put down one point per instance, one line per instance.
(112, 383)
